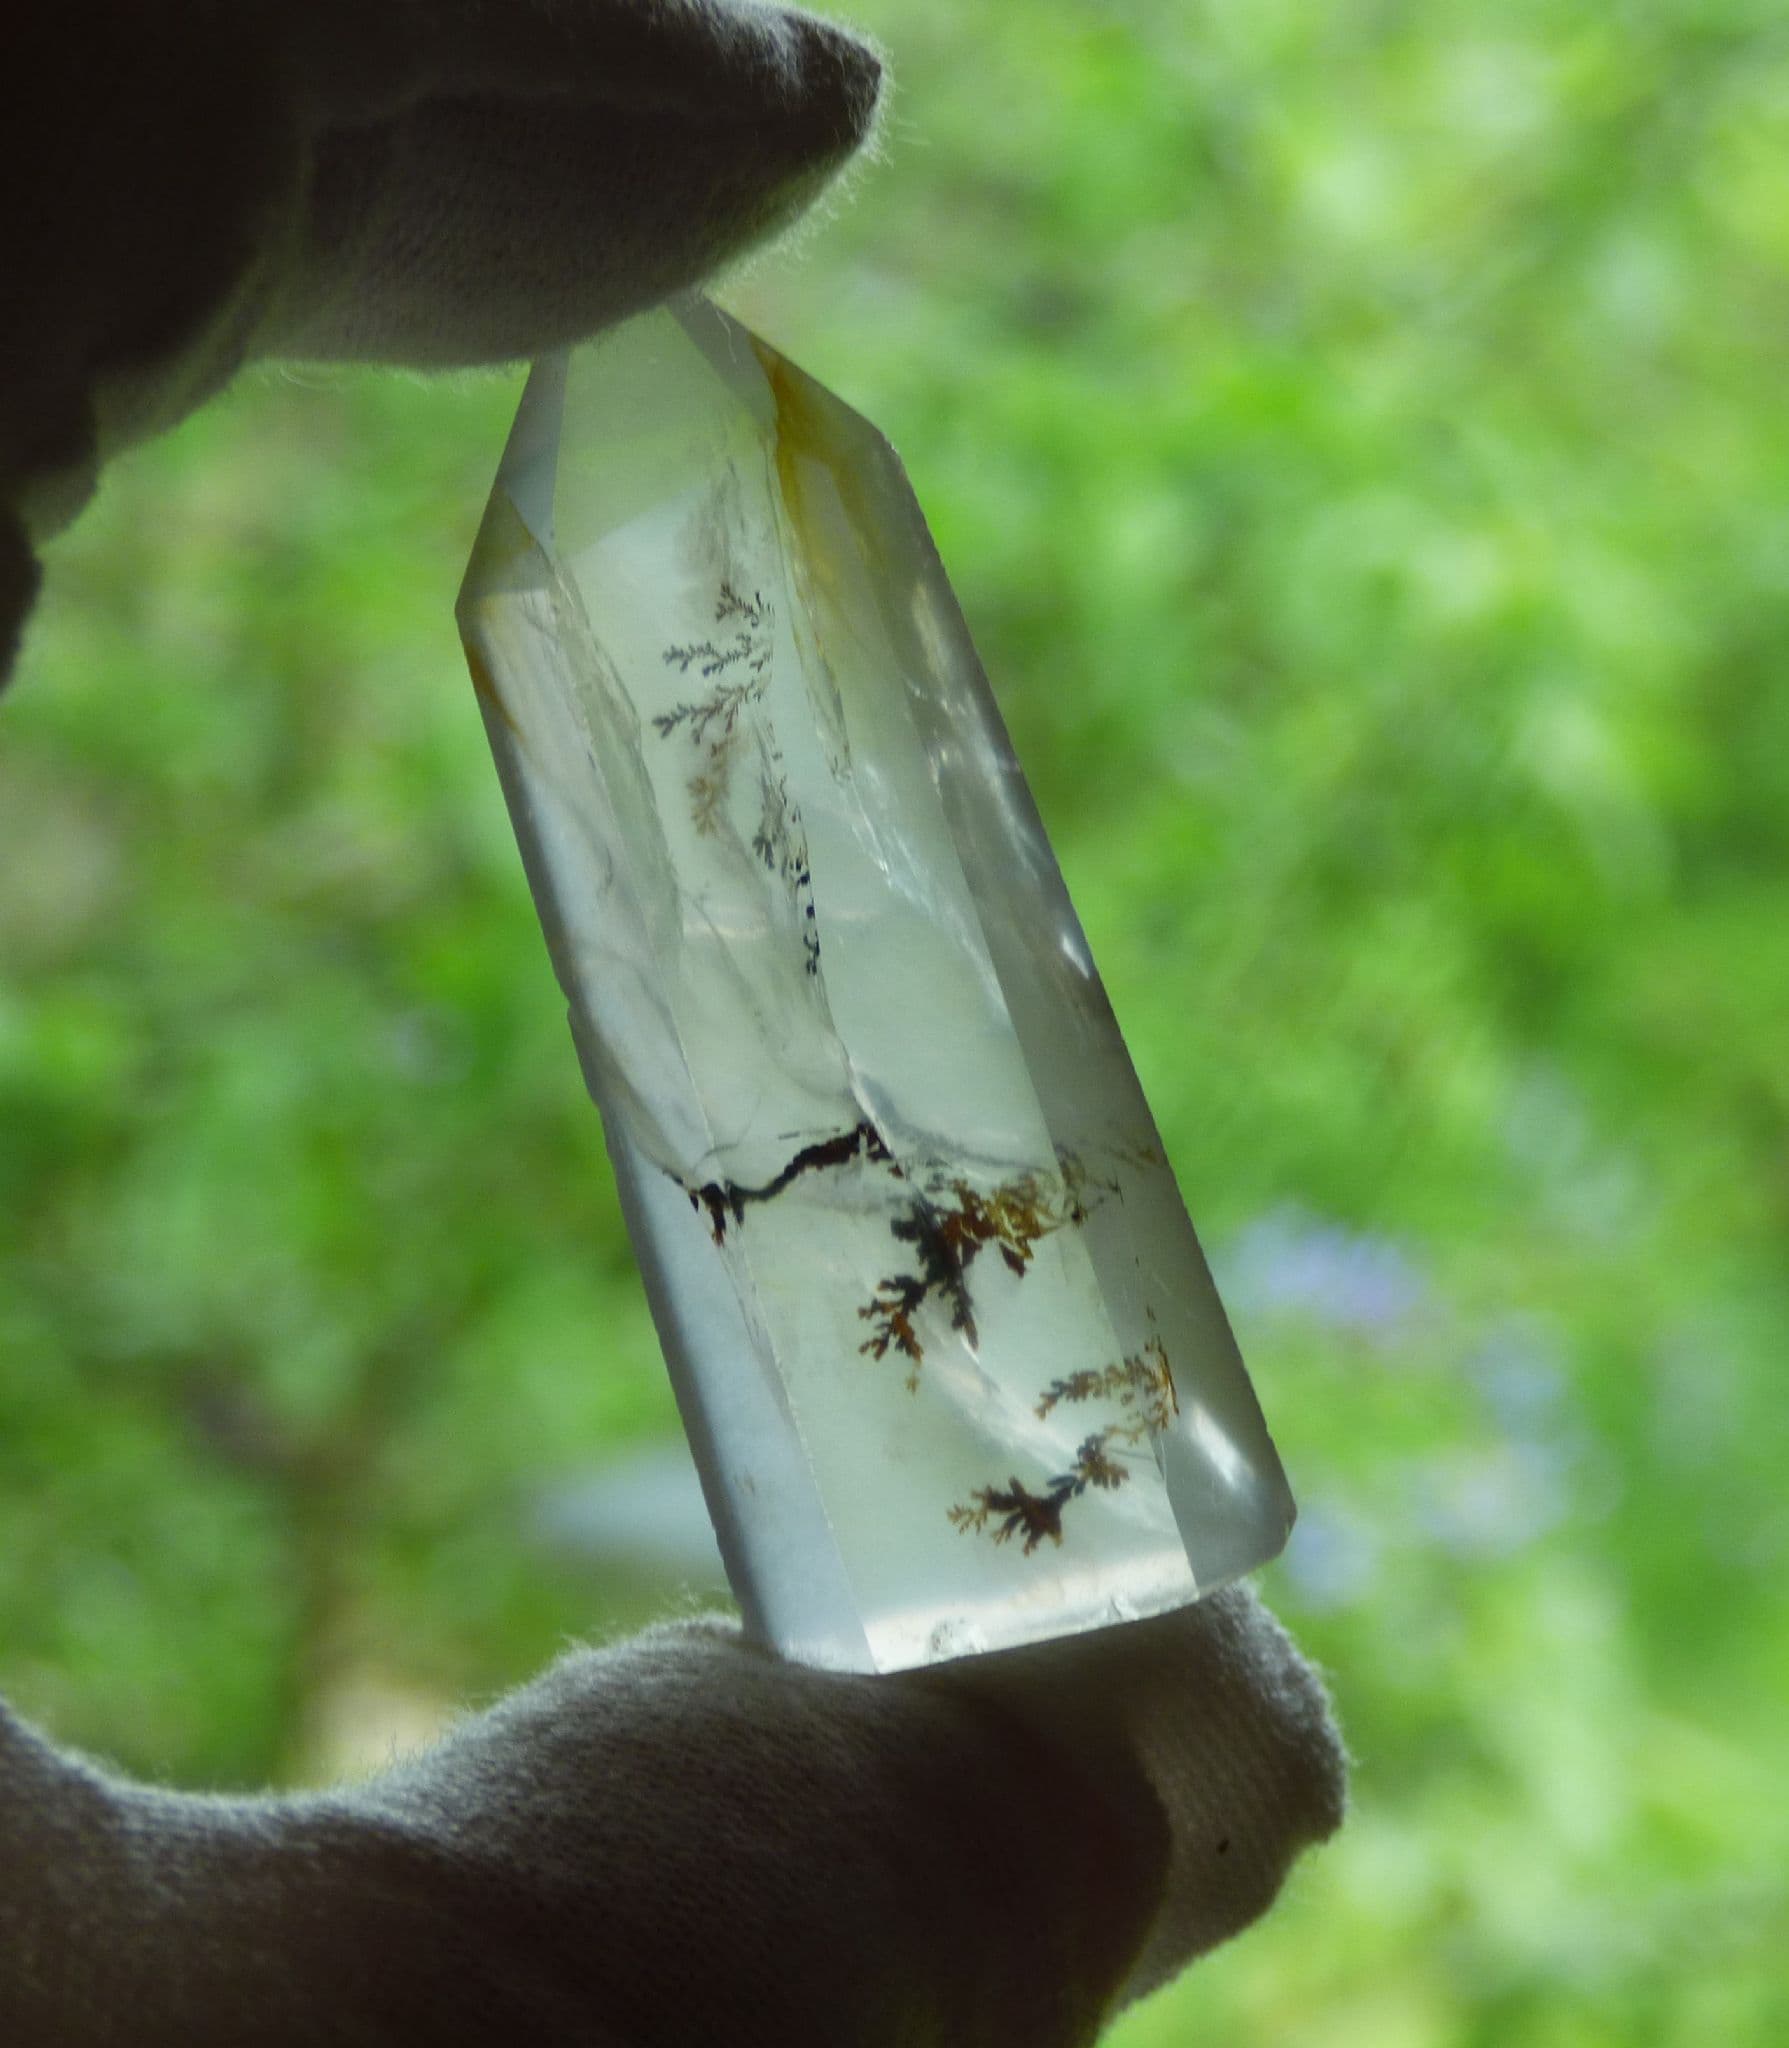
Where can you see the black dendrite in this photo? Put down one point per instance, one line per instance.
(724, 1199)
(749, 647)
(712, 722)
(739, 667)
(781, 843)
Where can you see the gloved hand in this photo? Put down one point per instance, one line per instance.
(684, 1841)
(187, 184)
(681, 1840)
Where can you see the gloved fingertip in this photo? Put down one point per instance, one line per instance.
(843, 76)
(1230, 1727)
(20, 576)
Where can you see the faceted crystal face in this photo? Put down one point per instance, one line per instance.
(952, 1365)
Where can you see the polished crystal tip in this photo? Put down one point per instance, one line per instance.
(950, 1359)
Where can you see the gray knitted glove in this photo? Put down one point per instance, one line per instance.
(681, 1840)
(684, 1840)
(185, 184)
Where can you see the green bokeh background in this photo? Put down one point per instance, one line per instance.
(1357, 434)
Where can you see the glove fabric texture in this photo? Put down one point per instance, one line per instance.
(683, 1840)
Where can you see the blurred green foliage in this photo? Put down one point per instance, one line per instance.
(1357, 436)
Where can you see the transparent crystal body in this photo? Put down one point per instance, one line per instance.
(951, 1362)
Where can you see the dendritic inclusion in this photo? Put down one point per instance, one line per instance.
(952, 1365)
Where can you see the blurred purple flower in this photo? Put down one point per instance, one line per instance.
(1332, 1558)
(1519, 1367)
(1492, 1501)
(1289, 1262)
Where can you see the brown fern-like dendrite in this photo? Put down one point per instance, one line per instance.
(948, 1232)
(1021, 1512)
(1142, 1384)
(1141, 1380)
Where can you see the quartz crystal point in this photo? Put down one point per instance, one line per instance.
(951, 1363)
